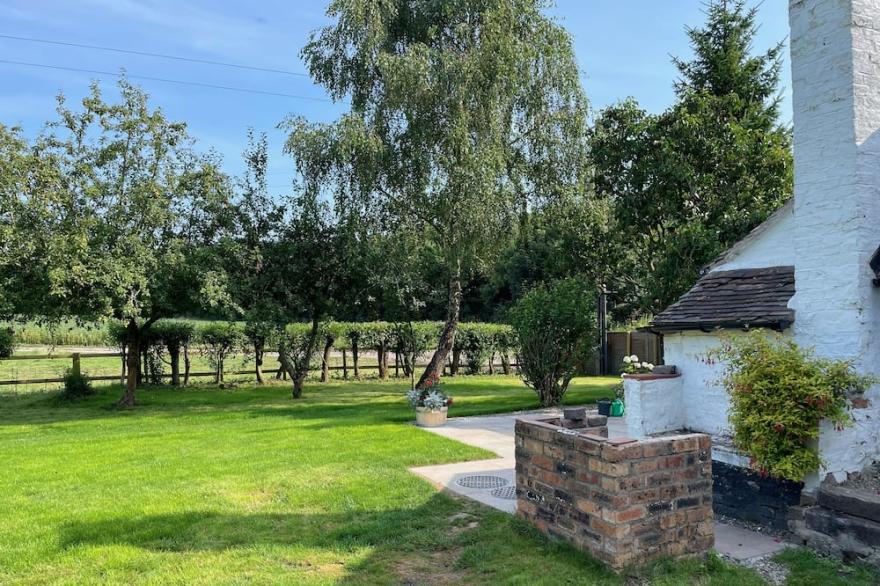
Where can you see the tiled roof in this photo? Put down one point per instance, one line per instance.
(742, 298)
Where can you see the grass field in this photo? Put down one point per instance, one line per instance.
(203, 486)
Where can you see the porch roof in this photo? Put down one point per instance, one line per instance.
(741, 298)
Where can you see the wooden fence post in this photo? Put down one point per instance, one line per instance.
(76, 367)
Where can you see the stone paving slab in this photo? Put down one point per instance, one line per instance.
(496, 433)
(743, 544)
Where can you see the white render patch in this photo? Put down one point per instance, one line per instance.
(768, 245)
(704, 401)
(653, 406)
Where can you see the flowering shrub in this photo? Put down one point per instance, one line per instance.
(779, 395)
(631, 365)
(431, 397)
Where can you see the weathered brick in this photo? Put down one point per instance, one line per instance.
(533, 446)
(653, 448)
(554, 451)
(609, 468)
(621, 500)
(587, 506)
(643, 466)
(687, 444)
(685, 502)
(631, 514)
(671, 462)
(542, 461)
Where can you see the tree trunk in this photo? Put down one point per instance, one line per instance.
(505, 362)
(258, 360)
(124, 361)
(174, 354)
(382, 356)
(187, 365)
(345, 364)
(354, 359)
(325, 360)
(434, 370)
(299, 371)
(492, 363)
(132, 339)
(456, 361)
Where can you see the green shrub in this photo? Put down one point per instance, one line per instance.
(7, 342)
(219, 340)
(76, 386)
(477, 342)
(779, 395)
(556, 328)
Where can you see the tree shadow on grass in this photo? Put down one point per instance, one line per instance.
(442, 537)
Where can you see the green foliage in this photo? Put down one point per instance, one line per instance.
(461, 113)
(689, 182)
(76, 386)
(218, 341)
(478, 342)
(556, 328)
(7, 342)
(175, 332)
(62, 332)
(779, 394)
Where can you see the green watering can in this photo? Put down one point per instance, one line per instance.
(617, 409)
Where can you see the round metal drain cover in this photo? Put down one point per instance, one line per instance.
(481, 481)
(505, 492)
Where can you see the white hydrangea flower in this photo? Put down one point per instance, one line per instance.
(627, 359)
(649, 366)
(633, 358)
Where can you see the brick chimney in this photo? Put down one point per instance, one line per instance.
(835, 60)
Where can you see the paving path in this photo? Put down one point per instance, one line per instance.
(496, 433)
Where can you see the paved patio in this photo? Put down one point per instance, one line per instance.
(496, 433)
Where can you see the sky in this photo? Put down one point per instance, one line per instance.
(623, 48)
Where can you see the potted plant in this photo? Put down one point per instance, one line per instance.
(631, 365)
(431, 404)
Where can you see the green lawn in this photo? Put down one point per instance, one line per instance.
(203, 486)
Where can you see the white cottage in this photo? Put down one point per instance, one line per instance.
(806, 271)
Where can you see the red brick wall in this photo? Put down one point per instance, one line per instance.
(624, 501)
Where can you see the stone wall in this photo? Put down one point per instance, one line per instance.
(624, 501)
(845, 524)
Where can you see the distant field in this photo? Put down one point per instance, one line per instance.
(65, 333)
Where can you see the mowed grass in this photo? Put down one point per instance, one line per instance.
(207, 486)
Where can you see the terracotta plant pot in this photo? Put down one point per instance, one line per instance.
(427, 418)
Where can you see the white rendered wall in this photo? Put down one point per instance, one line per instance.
(835, 54)
(703, 401)
(653, 406)
(770, 245)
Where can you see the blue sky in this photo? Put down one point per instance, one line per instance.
(623, 48)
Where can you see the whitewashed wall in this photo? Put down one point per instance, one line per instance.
(836, 99)
(653, 405)
(769, 245)
(704, 402)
